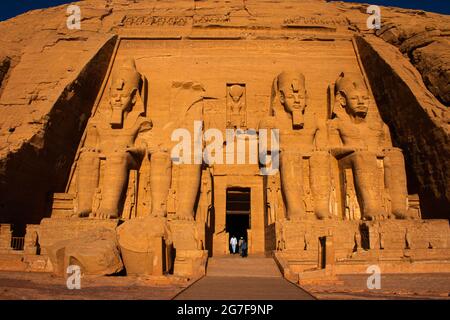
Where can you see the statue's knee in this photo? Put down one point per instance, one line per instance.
(88, 157)
(185, 215)
(372, 211)
(119, 159)
(319, 157)
(322, 212)
(289, 158)
(161, 156)
(321, 215)
(400, 212)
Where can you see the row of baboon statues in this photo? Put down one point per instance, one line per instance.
(114, 137)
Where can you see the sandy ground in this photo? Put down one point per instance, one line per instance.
(393, 286)
(46, 286)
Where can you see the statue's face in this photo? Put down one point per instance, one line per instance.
(293, 98)
(357, 102)
(120, 96)
(121, 100)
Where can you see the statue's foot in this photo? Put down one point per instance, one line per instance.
(372, 217)
(106, 214)
(82, 213)
(399, 214)
(159, 214)
(322, 216)
(185, 217)
(323, 213)
(296, 215)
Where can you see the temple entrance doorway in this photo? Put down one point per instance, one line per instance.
(238, 208)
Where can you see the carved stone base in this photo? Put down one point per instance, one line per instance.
(88, 243)
(190, 263)
(190, 259)
(303, 237)
(54, 230)
(184, 234)
(408, 234)
(351, 246)
(145, 244)
(5, 238)
(25, 262)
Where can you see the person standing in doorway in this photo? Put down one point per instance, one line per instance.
(240, 244)
(244, 249)
(233, 243)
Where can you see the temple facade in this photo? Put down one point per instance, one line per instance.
(204, 133)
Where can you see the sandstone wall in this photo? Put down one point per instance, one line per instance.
(37, 166)
(46, 98)
(50, 76)
(426, 42)
(5, 63)
(416, 120)
(409, 74)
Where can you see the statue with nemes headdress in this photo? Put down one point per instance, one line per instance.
(112, 137)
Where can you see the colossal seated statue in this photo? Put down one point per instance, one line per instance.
(299, 139)
(362, 144)
(111, 136)
(187, 110)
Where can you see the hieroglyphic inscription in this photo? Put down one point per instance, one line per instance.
(315, 21)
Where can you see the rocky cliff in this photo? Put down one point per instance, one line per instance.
(50, 77)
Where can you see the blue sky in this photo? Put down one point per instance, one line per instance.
(441, 6)
(11, 8)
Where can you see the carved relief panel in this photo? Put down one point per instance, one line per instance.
(236, 105)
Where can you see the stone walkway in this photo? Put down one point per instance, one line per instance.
(236, 278)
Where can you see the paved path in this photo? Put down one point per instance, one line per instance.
(236, 278)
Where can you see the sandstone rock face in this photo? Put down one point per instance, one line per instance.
(426, 43)
(5, 63)
(423, 39)
(417, 120)
(89, 120)
(95, 252)
(50, 77)
(39, 137)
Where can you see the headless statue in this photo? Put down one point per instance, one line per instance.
(187, 108)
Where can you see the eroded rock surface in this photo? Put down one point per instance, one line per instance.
(50, 77)
(143, 244)
(427, 46)
(95, 252)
